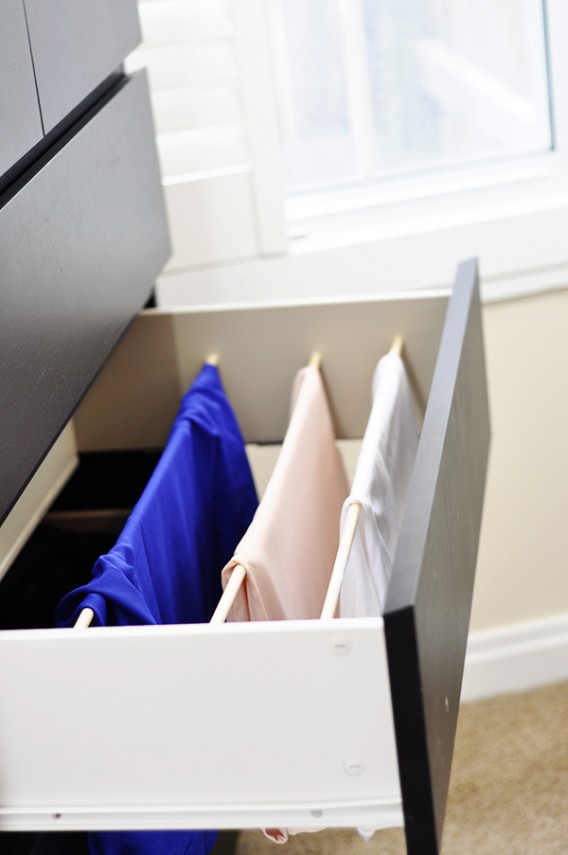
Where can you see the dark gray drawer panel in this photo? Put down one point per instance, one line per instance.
(81, 245)
(20, 123)
(76, 45)
(431, 587)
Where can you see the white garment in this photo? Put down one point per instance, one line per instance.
(382, 477)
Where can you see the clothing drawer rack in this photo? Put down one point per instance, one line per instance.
(344, 722)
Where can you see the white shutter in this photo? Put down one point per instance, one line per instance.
(215, 149)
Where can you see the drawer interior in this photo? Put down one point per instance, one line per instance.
(377, 698)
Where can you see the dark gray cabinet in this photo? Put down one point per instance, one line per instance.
(20, 123)
(81, 244)
(76, 45)
(83, 231)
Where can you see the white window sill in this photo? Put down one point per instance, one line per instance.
(516, 227)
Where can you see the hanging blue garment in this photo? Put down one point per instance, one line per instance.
(151, 842)
(166, 565)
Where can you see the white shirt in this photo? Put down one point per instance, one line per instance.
(380, 486)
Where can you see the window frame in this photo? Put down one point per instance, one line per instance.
(513, 216)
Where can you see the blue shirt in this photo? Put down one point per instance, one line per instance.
(166, 564)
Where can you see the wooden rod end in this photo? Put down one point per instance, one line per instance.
(397, 345)
(315, 360)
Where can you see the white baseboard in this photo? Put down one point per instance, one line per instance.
(516, 658)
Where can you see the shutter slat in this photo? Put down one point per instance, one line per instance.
(180, 66)
(201, 150)
(190, 52)
(179, 109)
(174, 21)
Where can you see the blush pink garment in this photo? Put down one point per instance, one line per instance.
(289, 548)
(280, 835)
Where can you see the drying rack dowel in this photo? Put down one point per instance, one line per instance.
(338, 572)
(229, 594)
(397, 345)
(84, 619)
(315, 360)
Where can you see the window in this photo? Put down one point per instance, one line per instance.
(371, 89)
(315, 147)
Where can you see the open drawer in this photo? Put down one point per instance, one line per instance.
(283, 724)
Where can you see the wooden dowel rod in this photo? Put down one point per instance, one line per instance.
(315, 360)
(229, 594)
(397, 345)
(338, 572)
(84, 619)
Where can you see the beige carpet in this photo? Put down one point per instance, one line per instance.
(508, 793)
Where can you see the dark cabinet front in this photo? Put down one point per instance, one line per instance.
(20, 123)
(81, 242)
(76, 45)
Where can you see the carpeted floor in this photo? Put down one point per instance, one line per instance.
(508, 793)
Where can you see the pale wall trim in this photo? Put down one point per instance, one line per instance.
(516, 658)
